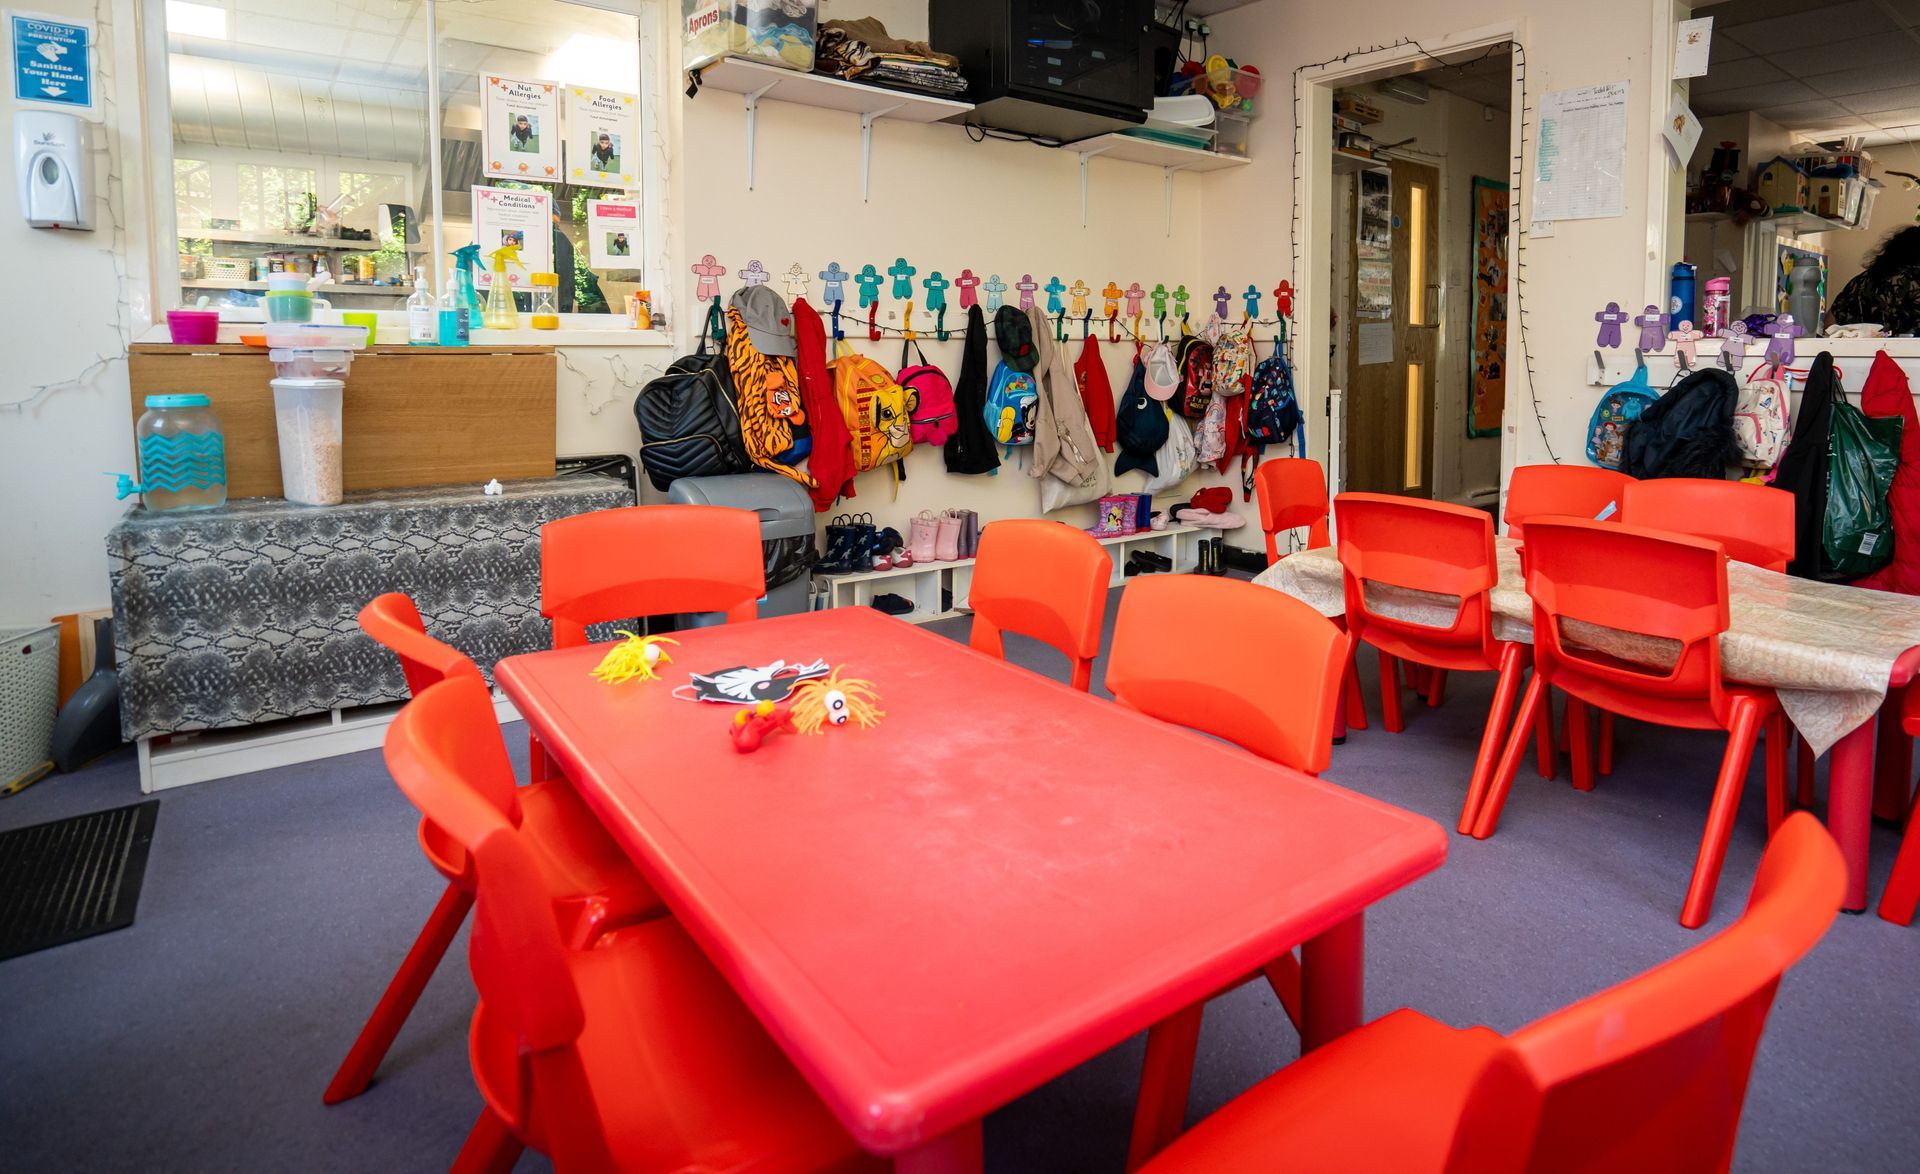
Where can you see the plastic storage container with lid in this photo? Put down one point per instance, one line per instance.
(776, 33)
(183, 456)
(546, 301)
(308, 413)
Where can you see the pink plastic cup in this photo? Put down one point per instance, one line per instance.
(194, 326)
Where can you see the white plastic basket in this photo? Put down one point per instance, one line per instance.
(29, 695)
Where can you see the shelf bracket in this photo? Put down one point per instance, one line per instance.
(1084, 156)
(867, 120)
(751, 103)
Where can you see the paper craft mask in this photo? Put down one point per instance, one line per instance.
(742, 685)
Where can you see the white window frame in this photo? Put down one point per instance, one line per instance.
(157, 127)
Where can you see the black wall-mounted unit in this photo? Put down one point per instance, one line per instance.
(1057, 69)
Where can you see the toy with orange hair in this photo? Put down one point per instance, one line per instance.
(834, 700)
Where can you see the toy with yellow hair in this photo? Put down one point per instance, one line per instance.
(834, 700)
(635, 658)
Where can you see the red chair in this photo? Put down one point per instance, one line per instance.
(1292, 492)
(1565, 491)
(1657, 585)
(1045, 580)
(1903, 886)
(642, 561)
(1649, 1075)
(631, 1055)
(1754, 523)
(1444, 550)
(1221, 678)
(596, 878)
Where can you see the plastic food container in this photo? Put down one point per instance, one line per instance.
(756, 29)
(306, 364)
(183, 456)
(307, 413)
(1232, 134)
(295, 336)
(193, 326)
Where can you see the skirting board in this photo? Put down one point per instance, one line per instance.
(221, 754)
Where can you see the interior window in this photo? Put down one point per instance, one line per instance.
(301, 140)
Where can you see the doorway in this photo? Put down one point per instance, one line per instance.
(1416, 231)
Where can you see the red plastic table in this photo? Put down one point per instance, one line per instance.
(1003, 879)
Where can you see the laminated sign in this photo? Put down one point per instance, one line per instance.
(603, 138)
(52, 60)
(521, 129)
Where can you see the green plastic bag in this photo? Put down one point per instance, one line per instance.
(1863, 452)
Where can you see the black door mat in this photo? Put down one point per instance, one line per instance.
(72, 878)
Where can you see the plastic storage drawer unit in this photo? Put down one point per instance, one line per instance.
(786, 533)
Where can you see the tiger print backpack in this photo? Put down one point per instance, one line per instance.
(773, 420)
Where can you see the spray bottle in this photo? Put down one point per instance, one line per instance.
(501, 314)
(466, 258)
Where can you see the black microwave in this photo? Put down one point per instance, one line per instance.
(1054, 69)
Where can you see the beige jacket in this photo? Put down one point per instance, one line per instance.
(1064, 448)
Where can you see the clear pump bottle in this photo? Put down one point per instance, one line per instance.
(422, 324)
(456, 328)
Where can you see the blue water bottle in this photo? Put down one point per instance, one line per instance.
(1680, 302)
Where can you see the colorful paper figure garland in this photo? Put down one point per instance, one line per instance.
(835, 280)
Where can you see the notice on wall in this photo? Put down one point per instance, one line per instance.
(1373, 287)
(520, 126)
(1692, 43)
(52, 59)
(603, 138)
(512, 216)
(1376, 344)
(1579, 168)
(613, 234)
(1681, 130)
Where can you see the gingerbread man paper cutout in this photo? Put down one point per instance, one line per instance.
(1112, 295)
(1782, 332)
(1026, 285)
(1253, 300)
(868, 279)
(995, 289)
(710, 272)
(755, 274)
(1134, 294)
(1733, 344)
(936, 287)
(797, 283)
(1080, 291)
(1160, 296)
(1610, 320)
(967, 283)
(1220, 299)
(836, 280)
(1055, 287)
(1180, 296)
(1686, 341)
(1283, 299)
(1653, 329)
(902, 274)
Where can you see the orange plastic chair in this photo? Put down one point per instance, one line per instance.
(599, 882)
(1041, 579)
(1223, 678)
(1753, 522)
(1440, 549)
(1652, 584)
(1903, 886)
(648, 560)
(1564, 491)
(632, 1055)
(1649, 1075)
(642, 561)
(1292, 492)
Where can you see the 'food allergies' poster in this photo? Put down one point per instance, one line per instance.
(613, 234)
(521, 125)
(603, 138)
(510, 216)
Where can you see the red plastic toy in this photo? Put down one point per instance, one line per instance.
(1649, 1075)
(750, 729)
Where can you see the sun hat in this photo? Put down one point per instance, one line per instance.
(1163, 374)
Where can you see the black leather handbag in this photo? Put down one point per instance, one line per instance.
(690, 418)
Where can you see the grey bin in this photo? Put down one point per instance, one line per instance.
(786, 533)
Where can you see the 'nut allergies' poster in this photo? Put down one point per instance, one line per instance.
(521, 127)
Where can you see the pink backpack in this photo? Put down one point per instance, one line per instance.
(929, 397)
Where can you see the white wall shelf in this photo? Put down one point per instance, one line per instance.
(754, 81)
(378, 291)
(1344, 161)
(939, 590)
(1166, 156)
(287, 240)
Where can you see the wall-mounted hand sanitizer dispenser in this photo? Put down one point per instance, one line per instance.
(55, 166)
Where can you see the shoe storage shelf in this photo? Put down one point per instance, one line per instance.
(939, 590)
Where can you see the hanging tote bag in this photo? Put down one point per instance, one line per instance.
(1856, 536)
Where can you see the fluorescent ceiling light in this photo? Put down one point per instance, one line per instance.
(185, 19)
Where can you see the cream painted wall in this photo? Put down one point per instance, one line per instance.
(1581, 266)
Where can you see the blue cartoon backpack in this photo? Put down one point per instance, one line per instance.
(1272, 411)
(1013, 402)
(1614, 415)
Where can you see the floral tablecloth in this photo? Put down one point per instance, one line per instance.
(1827, 649)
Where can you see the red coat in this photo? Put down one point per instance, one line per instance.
(1886, 394)
(831, 461)
(1096, 392)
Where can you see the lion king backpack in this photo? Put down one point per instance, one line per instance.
(876, 410)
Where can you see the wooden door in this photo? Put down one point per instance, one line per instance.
(1389, 399)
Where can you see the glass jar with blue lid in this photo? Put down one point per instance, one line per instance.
(183, 456)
